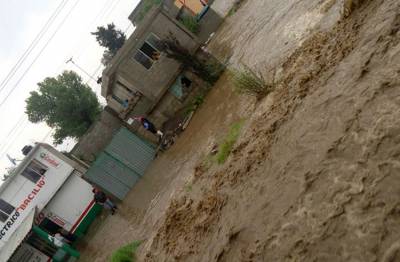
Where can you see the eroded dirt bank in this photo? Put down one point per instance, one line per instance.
(315, 175)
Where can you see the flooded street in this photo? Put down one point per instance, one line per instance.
(147, 202)
(314, 174)
(263, 33)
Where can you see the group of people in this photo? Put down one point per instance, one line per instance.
(101, 198)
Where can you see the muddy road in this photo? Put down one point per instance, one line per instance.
(314, 176)
(315, 173)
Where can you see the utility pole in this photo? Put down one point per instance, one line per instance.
(80, 68)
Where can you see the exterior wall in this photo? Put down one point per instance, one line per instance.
(25, 195)
(153, 82)
(97, 138)
(73, 200)
(209, 24)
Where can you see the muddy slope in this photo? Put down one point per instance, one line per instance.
(315, 175)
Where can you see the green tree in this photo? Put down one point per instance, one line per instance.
(65, 104)
(110, 38)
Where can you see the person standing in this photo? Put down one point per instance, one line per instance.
(149, 126)
(101, 198)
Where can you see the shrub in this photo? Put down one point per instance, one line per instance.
(248, 82)
(191, 24)
(213, 71)
(126, 253)
(226, 146)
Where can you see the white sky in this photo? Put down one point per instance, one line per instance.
(20, 22)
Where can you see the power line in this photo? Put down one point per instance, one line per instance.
(99, 16)
(15, 126)
(78, 50)
(6, 147)
(112, 8)
(39, 54)
(33, 44)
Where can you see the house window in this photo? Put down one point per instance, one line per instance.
(123, 103)
(154, 41)
(34, 171)
(181, 88)
(149, 52)
(116, 98)
(125, 87)
(5, 210)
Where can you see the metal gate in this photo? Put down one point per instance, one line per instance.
(118, 168)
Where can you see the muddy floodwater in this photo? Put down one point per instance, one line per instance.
(314, 175)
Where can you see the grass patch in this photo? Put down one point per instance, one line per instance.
(246, 81)
(226, 146)
(188, 187)
(191, 24)
(126, 253)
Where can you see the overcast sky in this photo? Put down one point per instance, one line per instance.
(69, 35)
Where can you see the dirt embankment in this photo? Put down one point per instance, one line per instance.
(314, 176)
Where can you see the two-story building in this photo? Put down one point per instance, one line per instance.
(45, 194)
(140, 79)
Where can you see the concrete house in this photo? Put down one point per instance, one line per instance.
(140, 79)
(45, 193)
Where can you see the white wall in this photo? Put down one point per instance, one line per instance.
(19, 192)
(67, 206)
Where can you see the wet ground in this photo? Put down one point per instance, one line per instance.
(168, 175)
(314, 175)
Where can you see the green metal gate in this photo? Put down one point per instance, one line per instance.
(121, 164)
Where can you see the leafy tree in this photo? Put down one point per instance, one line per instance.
(209, 71)
(110, 38)
(65, 104)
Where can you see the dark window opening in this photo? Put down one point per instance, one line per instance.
(49, 226)
(34, 171)
(149, 51)
(5, 210)
(186, 82)
(144, 60)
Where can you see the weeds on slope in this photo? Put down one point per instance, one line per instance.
(126, 253)
(226, 146)
(246, 81)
